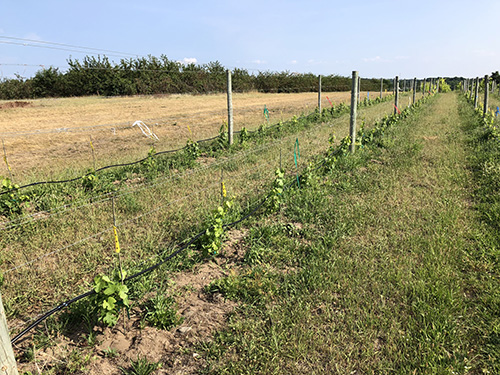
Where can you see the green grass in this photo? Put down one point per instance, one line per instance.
(385, 265)
(181, 202)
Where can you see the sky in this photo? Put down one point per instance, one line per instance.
(378, 38)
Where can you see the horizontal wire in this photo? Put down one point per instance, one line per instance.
(67, 45)
(144, 261)
(67, 303)
(109, 229)
(128, 124)
(123, 223)
(108, 196)
(156, 183)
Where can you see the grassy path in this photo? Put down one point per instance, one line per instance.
(368, 270)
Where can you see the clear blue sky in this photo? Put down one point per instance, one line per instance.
(379, 38)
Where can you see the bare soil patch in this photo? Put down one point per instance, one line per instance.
(16, 104)
(175, 349)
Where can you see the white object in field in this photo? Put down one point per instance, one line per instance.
(145, 130)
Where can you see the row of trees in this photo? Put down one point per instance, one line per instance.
(152, 75)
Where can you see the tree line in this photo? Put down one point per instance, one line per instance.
(159, 75)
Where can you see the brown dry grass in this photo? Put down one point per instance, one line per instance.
(148, 217)
(45, 137)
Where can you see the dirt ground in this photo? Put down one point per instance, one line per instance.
(43, 137)
(175, 349)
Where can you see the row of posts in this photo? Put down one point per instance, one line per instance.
(356, 84)
(434, 85)
(7, 360)
(471, 87)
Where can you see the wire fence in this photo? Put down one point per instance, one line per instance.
(150, 215)
(310, 145)
(33, 155)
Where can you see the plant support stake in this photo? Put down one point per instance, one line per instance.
(6, 161)
(414, 89)
(476, 92)
(319, 94)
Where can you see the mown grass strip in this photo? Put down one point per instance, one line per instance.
(366, 270)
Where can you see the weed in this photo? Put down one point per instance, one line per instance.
(110, 353)
(254, 286)
(161, 312)
(141, 366)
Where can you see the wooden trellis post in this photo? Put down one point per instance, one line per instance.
(7, 360)
(354, 108)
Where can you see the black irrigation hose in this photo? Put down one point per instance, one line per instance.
(102, 168)
(127, 164)
(140, 273)
(153, 267)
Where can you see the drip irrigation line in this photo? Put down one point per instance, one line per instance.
(153, 267)
(107, 196)
(128, 164)
(197, 170)
(101, 169)
(147, 270)
(158, 264)
(140, 273)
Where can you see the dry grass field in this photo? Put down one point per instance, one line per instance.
(44, 137)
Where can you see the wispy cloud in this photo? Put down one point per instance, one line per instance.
(259, 62)
(189, 60)
(293, 62)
